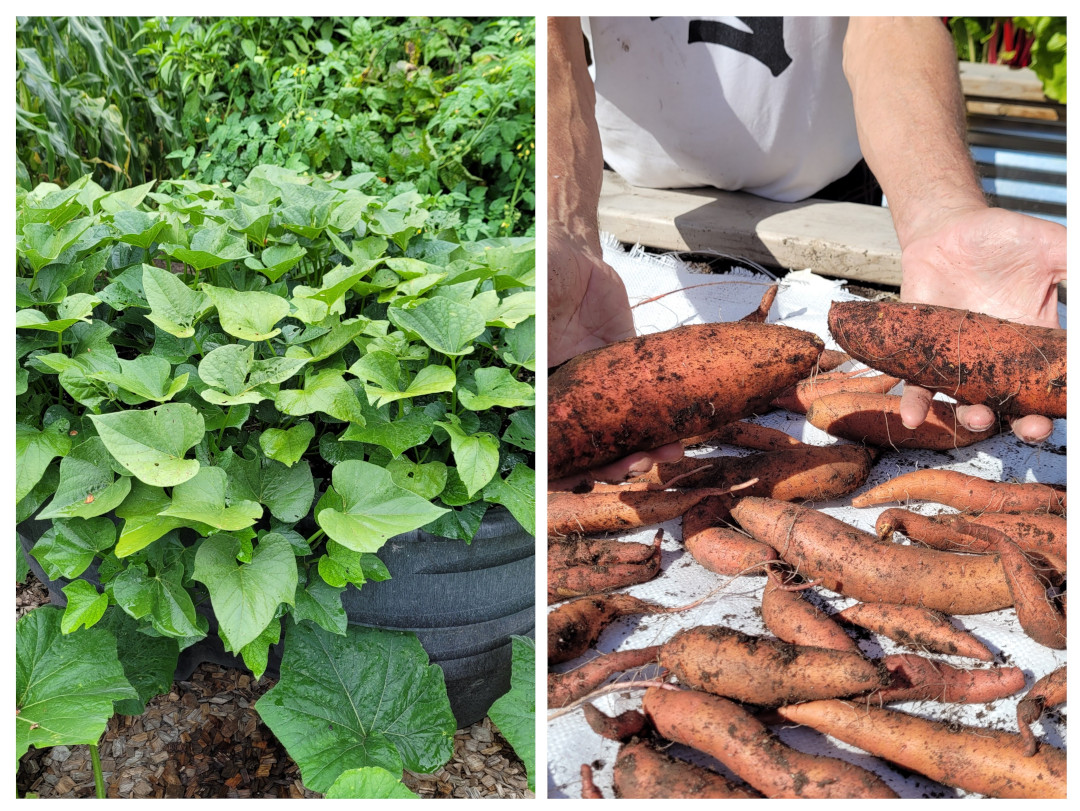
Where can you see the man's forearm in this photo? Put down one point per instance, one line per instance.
(575, 156)
(909, 110)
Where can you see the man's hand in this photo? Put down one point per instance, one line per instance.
(619, 471)
(587, 303)
(991, 261)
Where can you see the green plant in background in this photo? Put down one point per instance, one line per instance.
(1035, 42)
(236, 396)
(445, 104)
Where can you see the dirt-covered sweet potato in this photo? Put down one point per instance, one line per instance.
(644, 392)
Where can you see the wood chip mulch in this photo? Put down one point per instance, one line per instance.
(204, 739)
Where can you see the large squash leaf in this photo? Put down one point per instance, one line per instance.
(65, 686)
(368, 698)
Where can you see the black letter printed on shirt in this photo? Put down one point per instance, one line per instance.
(764, 42)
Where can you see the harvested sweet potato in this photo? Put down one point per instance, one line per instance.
(916, 627)
(966, 493)
(874, 419)
(1047, 692)
(916, 678)
(802, 395)
(792, 618)
(644, 392)
(748, 435)
(1038, 616)
(719, 547)
(733, 736)
(621, 727)
(1013, 368)
(564, 689)
(1039, 534)
(807, 473)
(642, 773)
(856, 564)
(612, 511)
(985, 761)
(574, 626)
(612, 569)
(762, 670)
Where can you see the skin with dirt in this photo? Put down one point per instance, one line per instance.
(1015, 369)
(645, 392)
(762, 670)
(857, 564)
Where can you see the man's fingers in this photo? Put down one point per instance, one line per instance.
(976, 417)
(1032, 429)
(914, 405)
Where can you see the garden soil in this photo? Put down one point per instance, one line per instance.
(204, 739)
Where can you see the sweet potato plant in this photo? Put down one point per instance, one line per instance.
(233, 397)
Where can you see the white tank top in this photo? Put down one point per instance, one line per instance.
(758, 104)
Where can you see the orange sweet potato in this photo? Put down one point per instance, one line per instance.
(642, 772)
(874, 419)
(762, 670)
(916, 627)
(791, 618)
(856, 564)
(619, 727)
(1038, 534)
(749, 435)
(1040, 618)
(985, 761)
(648, 391)
(566, 688)
(761, 314)
(967, 493)
(574, 626)
(612, 567)
(1047, 692)
(916, 678)
(807, 473)
(1013, 368)
(719, 547)
(613, 510)
(733, 736)
(802, 395)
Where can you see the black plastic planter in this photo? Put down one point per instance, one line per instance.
(464, 602)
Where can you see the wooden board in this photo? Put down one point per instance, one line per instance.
(844, 240)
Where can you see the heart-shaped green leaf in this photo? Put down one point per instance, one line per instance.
(147, 377)
(277, 260)
(287, 492)
(41, 243)
(251, 315)
(152, 443)
(161, 597)
(372, 508)
(65, 686)
(236, 377)
(88, 484)
(326, 392)
(211, 245)
(174, 307)
(143, 523)
(446, 326)
(333, 712)
(476, 455)
(320, 603)
(495, 386)
(85, 606)
(427, 480)
(246, 595)
(69, 546)
(398, 435)
(34, 450)
(202, 499)
(287, 446)
(517, 492)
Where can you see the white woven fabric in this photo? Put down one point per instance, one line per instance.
(803, 302)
